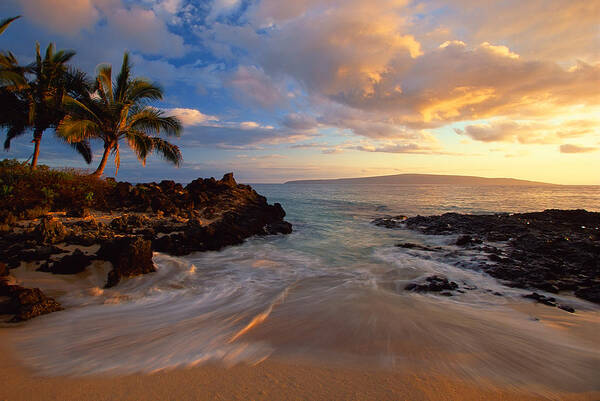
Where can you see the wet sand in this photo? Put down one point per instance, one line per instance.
(346, 343)
(269, 380)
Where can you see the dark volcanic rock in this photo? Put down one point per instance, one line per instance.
(410, 245)
(465, 240)
(3, 269)
(229, 180)
(71, 264)
(50, 230)
(38, 253)
(245, 214)
(390, 222)
(207, 214)
(553, 250)
(129, 223)
(130, 256)
(26, 303)
(590, 293)
(433, 284)
(542, 299)
(80, 212)
(550, 301)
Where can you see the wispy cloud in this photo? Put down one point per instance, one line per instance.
(569, 148)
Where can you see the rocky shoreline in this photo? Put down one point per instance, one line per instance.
(553, 251)
(129, 224)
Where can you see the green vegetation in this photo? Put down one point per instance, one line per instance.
(31, 193)
(51, 94)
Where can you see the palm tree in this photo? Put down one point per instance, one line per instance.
(117, 110)
(38, 104)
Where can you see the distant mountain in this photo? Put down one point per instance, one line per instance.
(407, 179)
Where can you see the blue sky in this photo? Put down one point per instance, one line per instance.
(275, 90)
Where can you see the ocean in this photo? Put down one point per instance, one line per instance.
(331, 293)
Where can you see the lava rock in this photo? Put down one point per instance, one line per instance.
(26, 303)
(433, 284)
(128, 223)
(3, 269)
(591, 294)
(567, 308)
(465, 240)
(410, 245)
(71, 264)
(50, 230)
(542, 299)
(553, 250)
(389, 222)
(130, 256)
(229, 180)
(80, 212)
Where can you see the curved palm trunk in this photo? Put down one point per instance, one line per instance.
(37, 138)
(100, 170)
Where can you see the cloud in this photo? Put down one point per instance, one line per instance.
(223, 7)
(569, 148)
(202, 77)
(245, 135)
(540, 29)
(66, 17)
(109, 22)
(252, 85)
(191, 117)
(298, 121)
(377, 60)
(413, 148)
(502, 51)
(528, 132)
(142, 30)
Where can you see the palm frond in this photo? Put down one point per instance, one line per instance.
(84, 149)
(141, 144)
(117, 158)
(6, 22)
(13, 132)
(168, 151)
(76, 130)
(12, 75)
(140, 89)
(104, 83)
(153, 121)
(62, 56)
(123, 78)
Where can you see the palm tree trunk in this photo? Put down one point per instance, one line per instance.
(100, 170)
(37, 138)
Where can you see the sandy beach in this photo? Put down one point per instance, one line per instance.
(288, 378)
(270, 380)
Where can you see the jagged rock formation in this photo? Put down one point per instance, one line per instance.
(207, 214)
(553, 250)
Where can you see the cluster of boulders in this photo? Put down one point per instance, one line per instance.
(207, 214)
(549, 301)
(434, 283)
(23, 303)
(553, 250)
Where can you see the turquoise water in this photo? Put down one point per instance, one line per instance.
(331, 292)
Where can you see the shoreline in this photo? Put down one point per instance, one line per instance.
(271, 379)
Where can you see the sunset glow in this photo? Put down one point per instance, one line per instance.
(278, 90)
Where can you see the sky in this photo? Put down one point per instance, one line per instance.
(279, 90)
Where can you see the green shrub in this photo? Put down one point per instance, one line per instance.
(48, 189)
